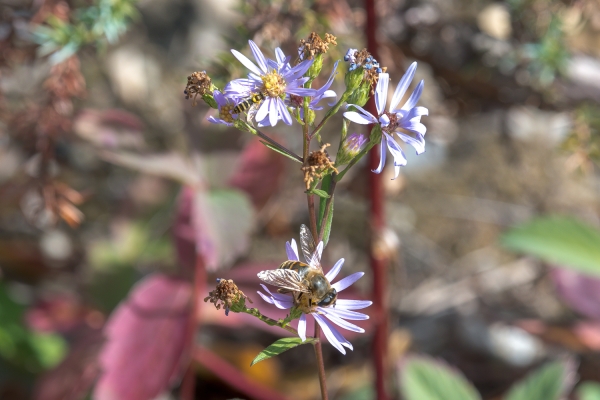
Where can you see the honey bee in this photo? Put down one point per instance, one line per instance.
(245, 105)
(307, 283)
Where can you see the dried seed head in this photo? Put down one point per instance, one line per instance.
(198, 83)
(317, 165)
(228, 296)
(314, 45)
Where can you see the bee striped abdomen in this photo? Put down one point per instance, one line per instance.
(299, 267)
(246, 104)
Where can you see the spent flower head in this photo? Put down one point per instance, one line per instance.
(338, 314)
(199, 83)
(228, 296)
(317, 165)
(396, 120)
(274, 79)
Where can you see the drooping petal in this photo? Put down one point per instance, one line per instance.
(414, 97)
(277, 296)
(246, 61)
(302, 327)
(364, 112)
(397, 153)
(340, 322)
(360, 118)
(346, 314)
(381, 92)
(403, 85)
(338, 336)
(283, 112)
(328, 331)
(258, 56)
(352, 304)
(335, 270)
(282, 305)
(382, 154)
(347, 281)
(418, 143)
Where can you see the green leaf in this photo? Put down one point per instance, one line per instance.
(588, 391)
(279, 347)
(280, 152)
(558, 240)
(426, 379)
(325, 185)
(319, 192)
(549, 382)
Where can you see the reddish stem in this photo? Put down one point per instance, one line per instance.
(320, 363)
(378, 265)
(229, 374)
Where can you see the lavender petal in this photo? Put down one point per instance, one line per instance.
(381, 92)
(334, 271)
(347, 281)
(403, 85)
(328, 331)
(382, 155)
(246, 62)
(352, 304)
(302, 327)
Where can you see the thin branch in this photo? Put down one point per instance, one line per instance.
(320, 363)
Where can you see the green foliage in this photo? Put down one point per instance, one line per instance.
(588, 391)
(22, 347)
(559, 240)
(426, 379)
(546, 383)
(104, 21)
(279, 347)
(325, 185)
(321, 193)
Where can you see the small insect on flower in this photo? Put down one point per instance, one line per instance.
(312, 291)
(245, 105)
(306, 282)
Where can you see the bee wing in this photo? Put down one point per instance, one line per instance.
(283, 278)
(312, 253)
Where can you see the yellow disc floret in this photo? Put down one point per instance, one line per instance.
(273, 84)
(225, 113)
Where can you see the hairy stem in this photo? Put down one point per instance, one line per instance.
(270, 321)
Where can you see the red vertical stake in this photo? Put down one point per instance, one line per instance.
(379, 266)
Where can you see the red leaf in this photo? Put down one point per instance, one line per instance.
(259, 172)
(146, 339)
(580, 292)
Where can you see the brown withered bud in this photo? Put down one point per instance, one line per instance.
(314, 45)
(198, 83)
(228, 296)
(318, 164)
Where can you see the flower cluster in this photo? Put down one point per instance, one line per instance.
(338, 314)
(276, 90)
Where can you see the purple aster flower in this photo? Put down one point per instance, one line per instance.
(226, 106)
(406, 118)
(274, 79)
(326, 317)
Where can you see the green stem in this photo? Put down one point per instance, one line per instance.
(270, 321)
(354, 161)
(332, 111)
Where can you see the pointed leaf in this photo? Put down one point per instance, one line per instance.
(423, 378)
(280, 152)
(588, 391)
(325, 185)
(550, 382)
(146, 340)
(558, 240)
(319, 192)
(279, 347)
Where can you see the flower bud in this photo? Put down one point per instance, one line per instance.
(310, 117)
(361, 95)
(350, 148)
(353, 79)
(316, 67)
(210, 100)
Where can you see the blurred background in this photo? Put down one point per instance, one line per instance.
(109, 177)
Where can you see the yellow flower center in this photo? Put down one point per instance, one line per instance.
(225, 113)
(273, 84)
